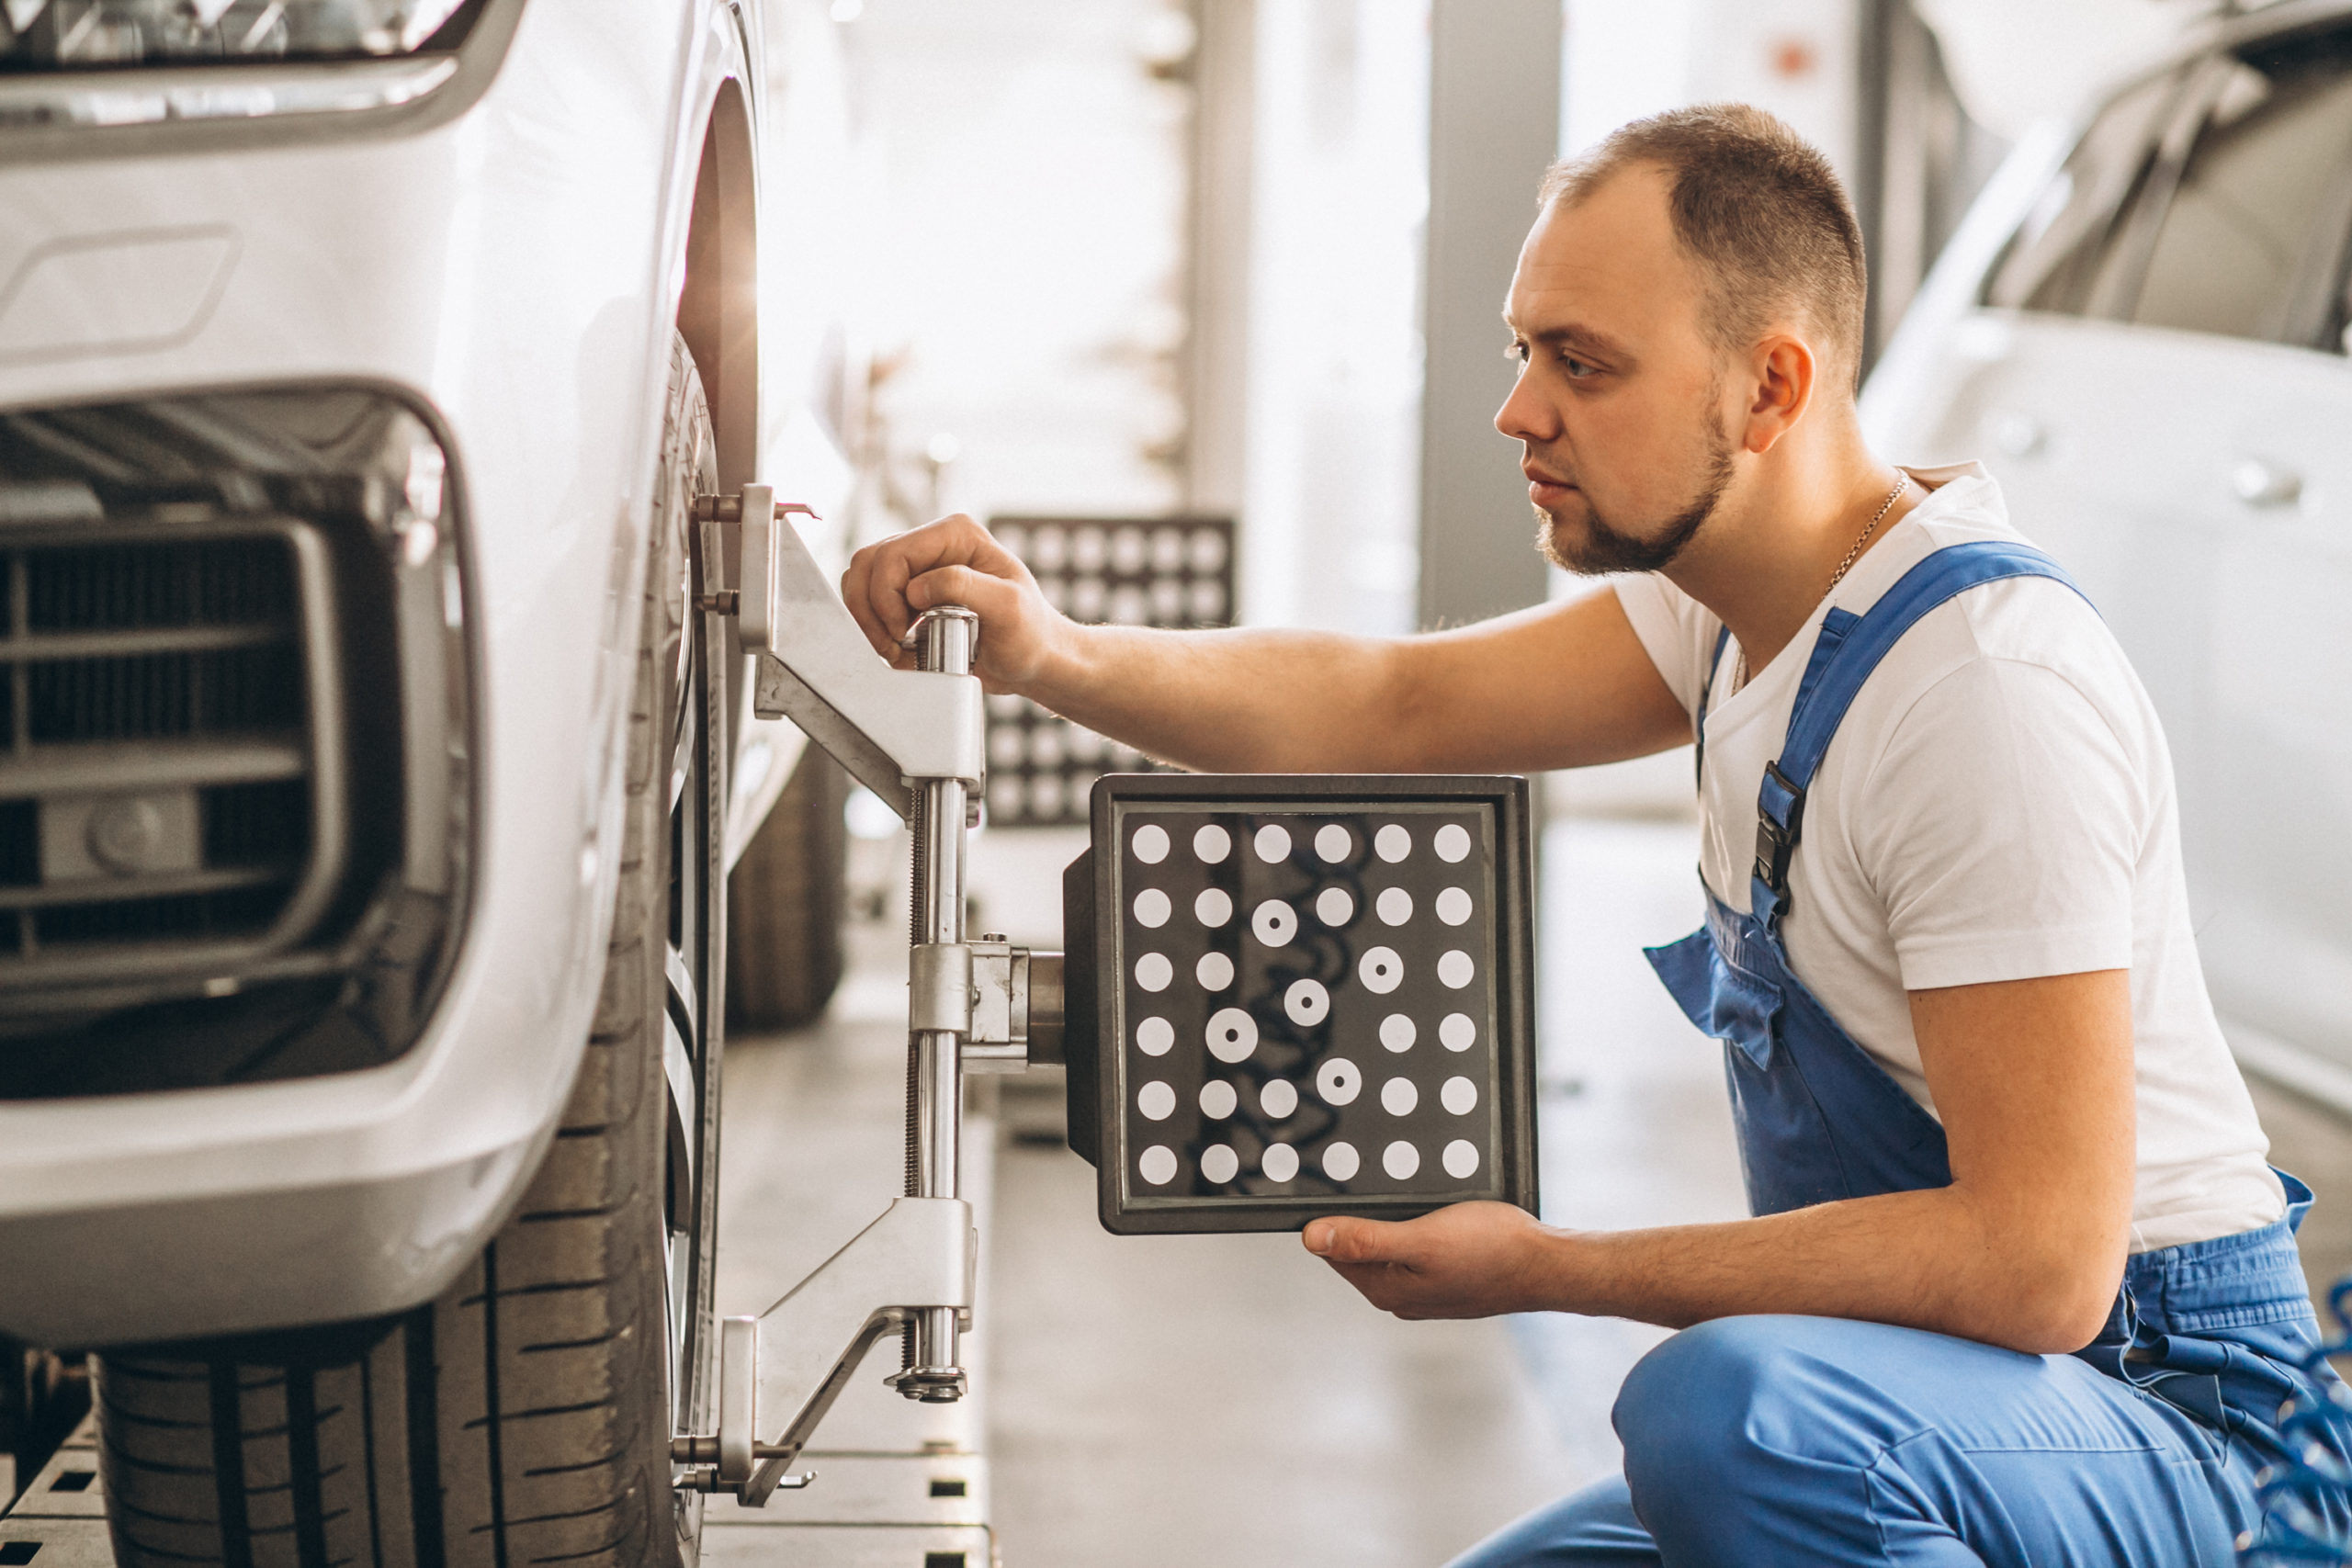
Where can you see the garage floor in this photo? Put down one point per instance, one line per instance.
(1225, 1399)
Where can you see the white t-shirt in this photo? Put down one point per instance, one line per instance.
(1997, 805)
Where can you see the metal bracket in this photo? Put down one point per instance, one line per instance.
(939, 988)
(890, 728)
(920, 1254)
(1017, 1007)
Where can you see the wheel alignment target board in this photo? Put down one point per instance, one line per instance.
(1309, 996)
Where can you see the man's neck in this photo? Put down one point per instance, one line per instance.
(1764, 562)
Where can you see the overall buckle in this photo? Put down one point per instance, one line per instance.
(1774, 843)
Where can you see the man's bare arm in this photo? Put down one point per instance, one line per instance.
(1559, 685)
(2025, 1248)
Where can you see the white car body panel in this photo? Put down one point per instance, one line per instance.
(2139, 456)
(516, 270)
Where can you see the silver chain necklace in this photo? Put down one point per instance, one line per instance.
(1901, 484)
(1739, 672)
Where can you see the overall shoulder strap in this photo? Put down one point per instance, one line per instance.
(1849, 648)
(1699, 719)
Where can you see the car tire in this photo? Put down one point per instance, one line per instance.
(785, 903)
(525, 1415)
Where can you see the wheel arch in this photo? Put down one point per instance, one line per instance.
(718, 305)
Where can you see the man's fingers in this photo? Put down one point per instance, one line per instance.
(975, 591)
(876, 587)
(857, 591)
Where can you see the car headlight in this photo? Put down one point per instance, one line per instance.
(69, 64)
(72, 35)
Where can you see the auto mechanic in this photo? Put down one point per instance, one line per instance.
(2020, 1286)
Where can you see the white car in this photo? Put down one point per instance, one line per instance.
(2141, 327)
(368, 774)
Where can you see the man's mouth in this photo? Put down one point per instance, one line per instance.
(1545, 488)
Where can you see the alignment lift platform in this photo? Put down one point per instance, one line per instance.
(1283, 996)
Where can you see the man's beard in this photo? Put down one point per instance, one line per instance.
(1604, 549)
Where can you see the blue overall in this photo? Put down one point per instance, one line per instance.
(1769, 1441)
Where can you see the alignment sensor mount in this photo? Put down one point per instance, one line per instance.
(1285, 996)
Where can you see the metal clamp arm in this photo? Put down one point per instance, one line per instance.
(891, 727)
(797, 1356)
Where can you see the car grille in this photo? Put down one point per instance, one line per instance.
(162, 760)
(234, 761)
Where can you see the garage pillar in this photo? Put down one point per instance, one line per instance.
(1494, 127)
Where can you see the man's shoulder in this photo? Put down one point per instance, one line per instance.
(2031, 620)
(2010, 657)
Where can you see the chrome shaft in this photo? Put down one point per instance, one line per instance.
(944, 641)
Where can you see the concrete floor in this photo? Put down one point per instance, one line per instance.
(1152, 1401)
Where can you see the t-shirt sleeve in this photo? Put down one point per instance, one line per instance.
(2002, 826)
(1676, 631)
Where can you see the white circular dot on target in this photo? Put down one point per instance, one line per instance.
(1394, 906)
(1338, 1081)
(1461, 1159)
(1453, 906)
(1157, 1164)
(1150, 843)
(1392, 843)
(1152, 906)
(1153, 971)
(1397, 1097)
(1219, 1163)
(1156, 1100)
(1456, 1033)
(1274, 922)
(1306, 1002)
(1218, 1100)
(1396, 1031)
(1455, 969)
(1154, 1036)
(1381, 970)
(1278, 1098)
(1214, 906)
(1335, 907)
(1341, 1161)
(1212, 844)
(1400, 1160)
(1272, 843)
(1332, 843)
(1459, 1096)
(1280, 1162)
(1214, 971)
(1232, 1035)
(1452, 843)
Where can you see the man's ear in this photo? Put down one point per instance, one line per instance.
(1781, 374)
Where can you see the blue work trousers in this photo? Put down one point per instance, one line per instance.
(1761, 1441)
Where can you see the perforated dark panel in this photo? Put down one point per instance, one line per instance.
(1165, 571)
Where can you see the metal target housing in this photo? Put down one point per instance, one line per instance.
(1294, 995)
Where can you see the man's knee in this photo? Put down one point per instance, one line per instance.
(1684, 1407)
(1725, 1395)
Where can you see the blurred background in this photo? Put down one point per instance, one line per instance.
(1195, 301)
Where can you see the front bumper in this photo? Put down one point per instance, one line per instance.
(510, 270)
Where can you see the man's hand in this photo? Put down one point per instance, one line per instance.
(1469, 1261)
(956, 562)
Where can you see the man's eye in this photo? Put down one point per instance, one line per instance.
(1516, 353)
(1576, 368)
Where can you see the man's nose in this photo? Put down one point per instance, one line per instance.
(1526, 415)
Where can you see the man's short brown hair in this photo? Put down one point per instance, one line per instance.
(1756, 206)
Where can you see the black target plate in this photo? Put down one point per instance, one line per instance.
(1294, 995)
